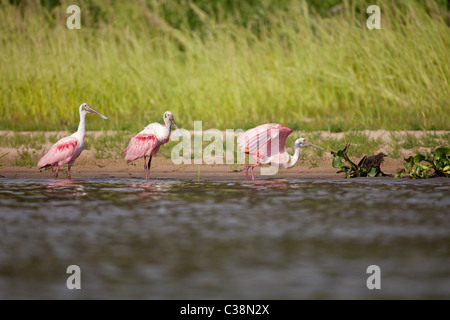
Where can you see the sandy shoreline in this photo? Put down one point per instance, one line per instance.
(163, 168)
(89, 166)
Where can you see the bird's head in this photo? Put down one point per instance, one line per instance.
(86, 108)
(169, 120)
(301, 143)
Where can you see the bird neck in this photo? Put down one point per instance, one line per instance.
(294, 158)
(168, 125)
(82, 126)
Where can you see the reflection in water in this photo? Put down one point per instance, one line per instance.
(281, 184)
(150, 192)
(63, 188)
(264, 239)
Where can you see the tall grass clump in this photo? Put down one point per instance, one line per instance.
(309, 64)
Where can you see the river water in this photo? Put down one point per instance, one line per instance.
(269, 239)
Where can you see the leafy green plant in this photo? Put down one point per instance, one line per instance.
(368, 166)
(414, 169)
(441, 161)
(438, 165)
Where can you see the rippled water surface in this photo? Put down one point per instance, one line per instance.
(271, 239)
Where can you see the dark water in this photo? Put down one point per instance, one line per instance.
(273, 239)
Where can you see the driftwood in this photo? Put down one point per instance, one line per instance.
(367, 162)
(373, 161)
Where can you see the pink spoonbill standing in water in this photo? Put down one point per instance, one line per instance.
(68, 149)
(147, 142)
(267, 145)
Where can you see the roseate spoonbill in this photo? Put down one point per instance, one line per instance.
(147, 142)
(267, 145)
(67, 149)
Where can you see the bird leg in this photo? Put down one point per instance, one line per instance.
(250, 166)
(253, 166)
(68, 172)
(148, 166)
(145, 166)
(56, 173)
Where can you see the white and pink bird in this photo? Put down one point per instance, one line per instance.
(147, 142)
(68, 149)
(267, 145)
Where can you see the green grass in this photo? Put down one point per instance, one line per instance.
(166, 150)
(2, 155)
(313, 163)
(395, 145)
(409, 142)
(108, 146)
(229, 64)
(26, 158)
(361, 144)
(433, 140)
(327, 143)
(53, 138)
(35, 141)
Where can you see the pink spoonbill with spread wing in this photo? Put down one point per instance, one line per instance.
(68, 149)
(267, 145)
(147, 142)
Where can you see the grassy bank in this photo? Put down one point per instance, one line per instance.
(26, 148)
(289, 63)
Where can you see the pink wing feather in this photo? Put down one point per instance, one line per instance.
(61, 152)
(266, 143)
(141, 145)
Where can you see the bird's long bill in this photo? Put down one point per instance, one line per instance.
(313, 145)
(176, 127)
(89, 109)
